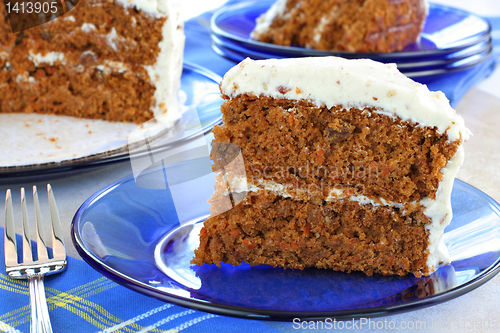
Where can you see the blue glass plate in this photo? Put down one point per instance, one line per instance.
(446, 30)
(133, 236)
(426, 68)
(201, 88)
(481, 48)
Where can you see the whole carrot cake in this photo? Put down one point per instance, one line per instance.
(348, 165)
(339, 25)
(116, 60)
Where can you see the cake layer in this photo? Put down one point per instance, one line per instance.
(103, 27)
(353, 26)
(112, 92)
(320, 152)
(342, 235)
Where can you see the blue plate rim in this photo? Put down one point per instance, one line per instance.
(25, 173)
(272, 315)
(237, 56)
(312, 52)
(484, 46)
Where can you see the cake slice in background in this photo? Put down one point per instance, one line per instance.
(339, 25)
(114, 60)
(349, 166)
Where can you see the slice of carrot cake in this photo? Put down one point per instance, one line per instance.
(349, 166)
(339, 25)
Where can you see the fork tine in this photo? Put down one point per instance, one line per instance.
(58, 250)
(10, 245)
(41, 244)
(27, 254)
(31, 269)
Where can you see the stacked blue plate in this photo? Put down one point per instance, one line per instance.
(452, 40)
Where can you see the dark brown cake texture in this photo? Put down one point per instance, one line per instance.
(330, 184)
(339, 25)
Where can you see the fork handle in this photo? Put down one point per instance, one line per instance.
(40, 320)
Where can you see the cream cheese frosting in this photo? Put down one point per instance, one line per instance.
(358, 83)
(48, 58)
(167, 82)
(440, 213)
(153, 7)
(264, 21)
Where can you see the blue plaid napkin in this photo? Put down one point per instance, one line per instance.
(82, 300)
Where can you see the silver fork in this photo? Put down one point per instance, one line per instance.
(29, 268)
